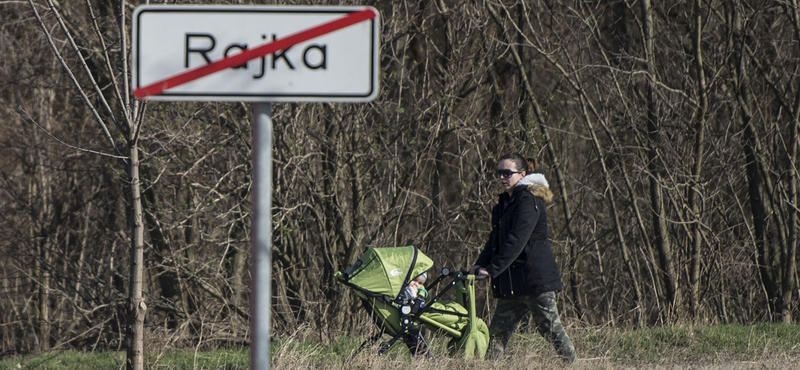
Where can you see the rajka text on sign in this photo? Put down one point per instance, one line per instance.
(203, 46)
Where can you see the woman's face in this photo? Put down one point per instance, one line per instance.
(508, 174)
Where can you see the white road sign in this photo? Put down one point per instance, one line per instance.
(324, 53)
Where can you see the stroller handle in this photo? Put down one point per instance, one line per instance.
(463, 275)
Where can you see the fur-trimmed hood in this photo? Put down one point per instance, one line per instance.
(537, 184)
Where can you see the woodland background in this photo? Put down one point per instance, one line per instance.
(668, 130)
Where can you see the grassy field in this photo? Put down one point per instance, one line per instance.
(767, 346)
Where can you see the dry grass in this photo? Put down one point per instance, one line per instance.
(528, 361)
(713, 347)
(736, 347)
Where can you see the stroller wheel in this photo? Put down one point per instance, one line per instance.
(417, 345)
(384, 347)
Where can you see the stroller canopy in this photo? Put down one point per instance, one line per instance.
(385, 270)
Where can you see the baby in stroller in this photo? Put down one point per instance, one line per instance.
(415, 288)
(400, 306)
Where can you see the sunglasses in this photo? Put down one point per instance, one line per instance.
(505, 173)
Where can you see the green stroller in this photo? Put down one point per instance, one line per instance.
(381, 274)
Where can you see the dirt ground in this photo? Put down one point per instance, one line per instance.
(761, 364)
(375, 363)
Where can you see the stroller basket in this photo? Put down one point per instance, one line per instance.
(381, 274)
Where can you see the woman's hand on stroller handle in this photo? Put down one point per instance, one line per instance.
(479, 272)
(481, 275)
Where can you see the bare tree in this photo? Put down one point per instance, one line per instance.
(694, 196)
(127, 118)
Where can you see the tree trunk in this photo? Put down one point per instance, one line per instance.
(656, 168)
(136, 305)
(166, 266)
(42, 200)
(790, 264)
(752, 171)
(695, 193)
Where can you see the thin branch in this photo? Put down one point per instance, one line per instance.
(83, 63)
(76, 83)
(32, 120)
(107, 58)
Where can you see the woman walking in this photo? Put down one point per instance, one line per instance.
(519, 258)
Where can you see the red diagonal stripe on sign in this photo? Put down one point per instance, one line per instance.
(247, 55)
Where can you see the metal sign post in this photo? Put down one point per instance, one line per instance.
(261, 234)
(259, 54)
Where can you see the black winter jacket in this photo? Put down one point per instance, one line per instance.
(518, 254)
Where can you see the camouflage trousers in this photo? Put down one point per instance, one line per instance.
(509, 313)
